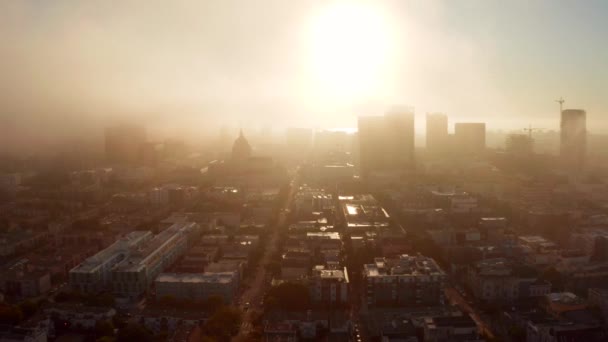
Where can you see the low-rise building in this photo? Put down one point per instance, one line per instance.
(132, 277)
(450, 328)
(80, 316)
(25, 283)
(557, 331)
(539, 251)
(558, 303)
(197, 287)
(363, 212)
(329, 286)
(94, 274)
(498, 280)
(407, 280)
(598, 297)
(9, 333)
(18, 240)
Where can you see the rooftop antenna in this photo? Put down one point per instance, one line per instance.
(561, 104)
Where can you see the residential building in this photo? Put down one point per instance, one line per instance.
(25, 284)
(198, 287)
(450, 328)
(94, 274)
(329, 286)
(498, 281)
(79, 315)
(134, 275)
(405, 281)
(598, 297)
(363, 212)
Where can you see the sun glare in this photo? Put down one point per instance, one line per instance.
(349, 50)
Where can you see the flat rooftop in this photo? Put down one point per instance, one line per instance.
(404, 265)
(207, 277)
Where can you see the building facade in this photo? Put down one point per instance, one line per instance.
(198, 287)
(386, 143)
(329, 286)
(573, 139)
(405, 281)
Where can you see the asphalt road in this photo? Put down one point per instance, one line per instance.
(456, 298)
(255, 293)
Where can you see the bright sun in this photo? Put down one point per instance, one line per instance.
(349, 46)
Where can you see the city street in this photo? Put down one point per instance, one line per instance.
(454, 297)
(255, 293)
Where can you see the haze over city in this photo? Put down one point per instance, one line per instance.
(303, 170)
(186, 66)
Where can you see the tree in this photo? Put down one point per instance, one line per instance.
(134, 332)
(224, 323)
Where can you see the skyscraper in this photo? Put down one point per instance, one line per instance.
(470, 137)
(573, 139)
(386, 142)
(124, 143)
(436, 133)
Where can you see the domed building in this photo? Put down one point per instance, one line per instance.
(244, 169)
(241, 150)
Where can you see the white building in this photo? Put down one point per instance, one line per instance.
(131, 264)
(134, 275)
(94, 274)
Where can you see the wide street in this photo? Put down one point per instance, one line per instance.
(255, 293)
(454, 297)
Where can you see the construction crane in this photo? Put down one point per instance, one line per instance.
(561, 104)
(531, 129)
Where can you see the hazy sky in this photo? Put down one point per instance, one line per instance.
(69, 66)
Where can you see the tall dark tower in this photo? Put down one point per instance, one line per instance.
(241, 150)
(573, 139)
(387, 142)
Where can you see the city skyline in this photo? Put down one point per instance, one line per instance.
(180, 66)
(303, 170)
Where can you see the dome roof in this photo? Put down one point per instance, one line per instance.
(241, 149)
